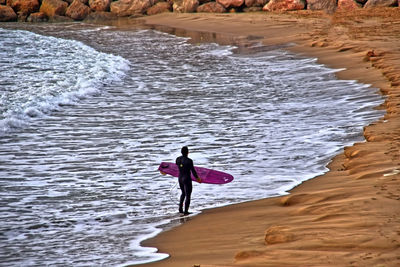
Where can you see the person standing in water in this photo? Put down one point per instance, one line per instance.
(185, 165)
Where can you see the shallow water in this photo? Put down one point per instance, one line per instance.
(84, 125)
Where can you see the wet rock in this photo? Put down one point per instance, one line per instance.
(348, 5)
(7, 14)
(124, 8)
(77, 10)
(100, 5)
(100, 16)
(37, 17)
(158, 8)
(255, 3)
(211, 7)
(231, 3)
(53, 8)
(380, 3)
(24, 7)
(57, 18)
(284, 5)
(328, 5)
(252, 9)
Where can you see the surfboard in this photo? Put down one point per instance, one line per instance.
(207, 176)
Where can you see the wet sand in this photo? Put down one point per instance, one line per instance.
(350, 215)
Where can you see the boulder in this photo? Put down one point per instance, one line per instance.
(329, 5)
(380, 3)
(37, 17)
(255, 3)
(100, 5)
(57, 18)
(25, 7)
(100, 16)
(7, 14)
(124, 8)
(284, 5)
(77, 10)
(252, 9)
(348, 5)
(230, 3)
(211, 7)
(53, 8)
(158, 8)
(190, 6)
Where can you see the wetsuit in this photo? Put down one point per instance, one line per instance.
(185, 165)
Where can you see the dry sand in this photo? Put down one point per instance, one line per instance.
(347, 217)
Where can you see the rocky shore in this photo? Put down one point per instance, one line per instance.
(77, 10)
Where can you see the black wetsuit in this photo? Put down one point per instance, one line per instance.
(185, 165)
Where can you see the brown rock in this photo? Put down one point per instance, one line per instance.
(190, 6)
(380, 3)
(100, 5)
(7, 14)
(211, 7)
(57, 18)
(329, 5)
(284, 5)
(230, 3)
(26, 7)
(348, 5)
(100, 16)
(77, 10)
(53, 7)
(158, 8)
(124, 8)
(37, 17)
(255, 3)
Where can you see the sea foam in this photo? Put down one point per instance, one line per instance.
(42, 73)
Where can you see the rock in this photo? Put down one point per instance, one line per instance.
(77, 10)
(57, 18)
(328, 5)
(100, 16)
(100, 5)
(190, 6)
(380, 3)
(255, 3)
(211, 7)
(230, 3)
(124, 8)
(7, 14)
(348, 5)
(158, 8)
(53, 8)
(37, 17)
(252, 9)
(284, 5)
(26, 7)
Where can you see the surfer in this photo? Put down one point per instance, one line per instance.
(186, 167)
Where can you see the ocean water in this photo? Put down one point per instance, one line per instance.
(87, 115)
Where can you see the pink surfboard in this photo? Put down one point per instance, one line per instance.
(207, 176)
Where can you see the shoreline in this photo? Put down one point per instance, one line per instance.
(348, 215)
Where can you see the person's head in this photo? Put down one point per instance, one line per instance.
(185, 151)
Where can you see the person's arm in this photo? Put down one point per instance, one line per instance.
(194, 172)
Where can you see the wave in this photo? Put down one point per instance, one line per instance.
(42, 73)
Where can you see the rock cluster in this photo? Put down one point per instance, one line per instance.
(69, 10)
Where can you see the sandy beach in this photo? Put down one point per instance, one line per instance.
(350, 215)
